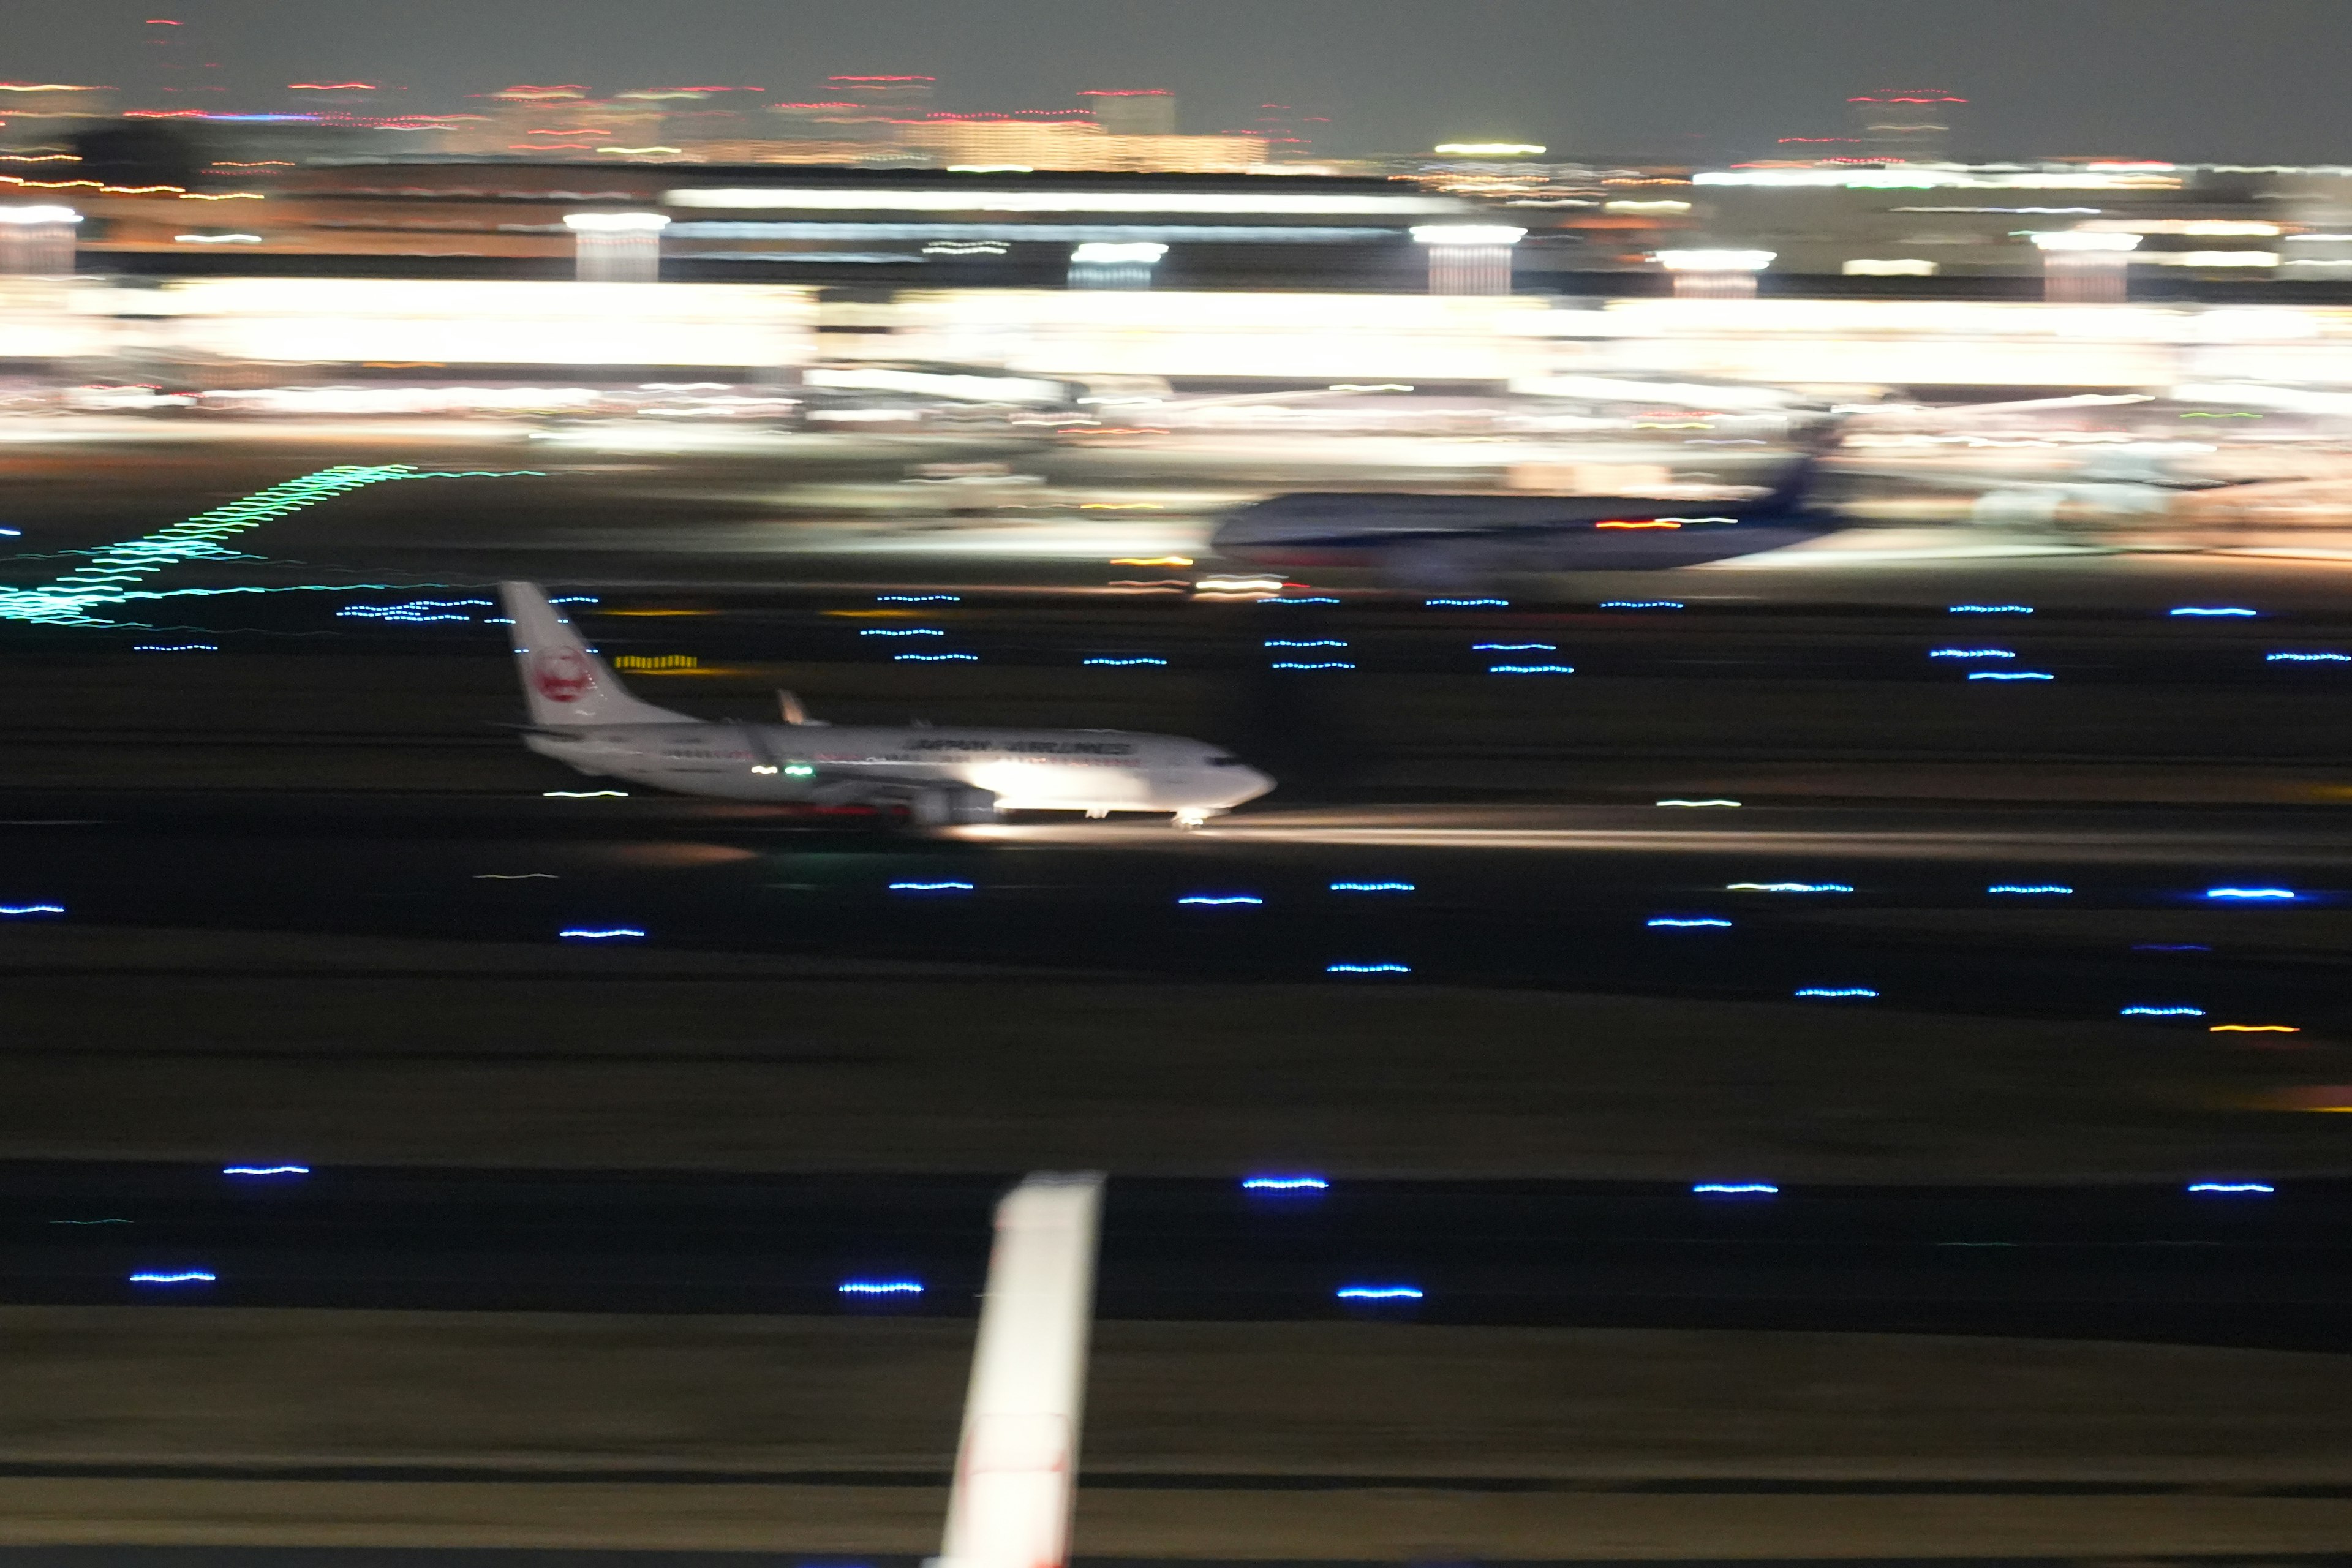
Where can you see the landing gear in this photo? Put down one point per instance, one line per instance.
(1097, 813)
(1190, 821)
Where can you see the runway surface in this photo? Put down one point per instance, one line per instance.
(2225, 1262)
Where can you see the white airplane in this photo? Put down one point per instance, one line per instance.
(584, 717)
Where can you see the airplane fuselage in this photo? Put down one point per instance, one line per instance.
(1026, 770)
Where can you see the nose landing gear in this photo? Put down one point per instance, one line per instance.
(1190, 821)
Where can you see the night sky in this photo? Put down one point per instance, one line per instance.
(2238, 81)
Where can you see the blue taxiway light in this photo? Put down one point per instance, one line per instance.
(2233, 1189)
(1512, 647)
(1666, 924)
(265, 1169)
(1303, 599)
(1466, 604)
(600, 934)
(1285, 1184)
(2029, 888)
(1305, 642)
(1123, 661)
(1835, 991)
(2161, 1012)
(2307, 657)
(1641, 604)
(2011, 675)
(919, 599)
(23, 911)
(901, 632)
(1531, 669)
(1990, 610)
(1373, 887)
(931, 887)
(1294, 664)
(1219, 901)
(1368, 969)
(2215, 610)
(181, 1277)
(1786, 887)
(880, 1287)
(2171, 947)
(935, 658)
(1736, 1189)
(2284, 894)
(1377, 1293)
(1971, 652)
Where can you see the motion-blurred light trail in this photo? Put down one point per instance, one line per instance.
(880, 1287)
(2284, 895)
(1377, 1293)
(607, 933)
(1285, 1184)
(113, 574)
(184, 1277)
(2161, 1012)
(1368, 969)
(265, 1169)
(1734, 1189)
(2233, 1189)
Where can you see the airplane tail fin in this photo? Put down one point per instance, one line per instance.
(565, 683)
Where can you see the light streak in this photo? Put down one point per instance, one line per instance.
(1699, 804)
(1307, 599)
(1123, 661)
(612, 933)
(880, 1287)
(1218, 900)
(91, 1222)
(918, 598)
(186, 1277)
(1293, 664)
(112, 572)
(2213, 610)
(1377, 1293)
(1285, 1184)
(2307, 657)
(905, 632)
(2233, 1189)
(1665, 922)
(1654, 522)
(584, 794)
(1787, 887)
(935, 658)
(1153, 560)
(1466, 604)
(2010, 675)
(18, 912)
(179, 647)
(1306, 642)
(2171, 947)
(1836, 990)
(1368, 969)
(931, 887)
(265, 1169)
(1971, 652)
(1736, 1189)
(2253, 1030)
(1990, 610)
(1373, 887)
(2286, 893)
(569, 598)
(1648, 603)
(516, 877)
(2029, 888)
(1531, 669)
(1511, 648)
(2161, 1012)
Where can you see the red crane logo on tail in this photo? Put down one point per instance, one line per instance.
(561, 677)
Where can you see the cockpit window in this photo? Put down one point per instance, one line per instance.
(1224, 761)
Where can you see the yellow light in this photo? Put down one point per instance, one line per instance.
(2253, 1030)
(1153, 561)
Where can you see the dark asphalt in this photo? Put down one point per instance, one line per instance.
(2125, 1262)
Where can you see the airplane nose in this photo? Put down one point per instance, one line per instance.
(1257, 782)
